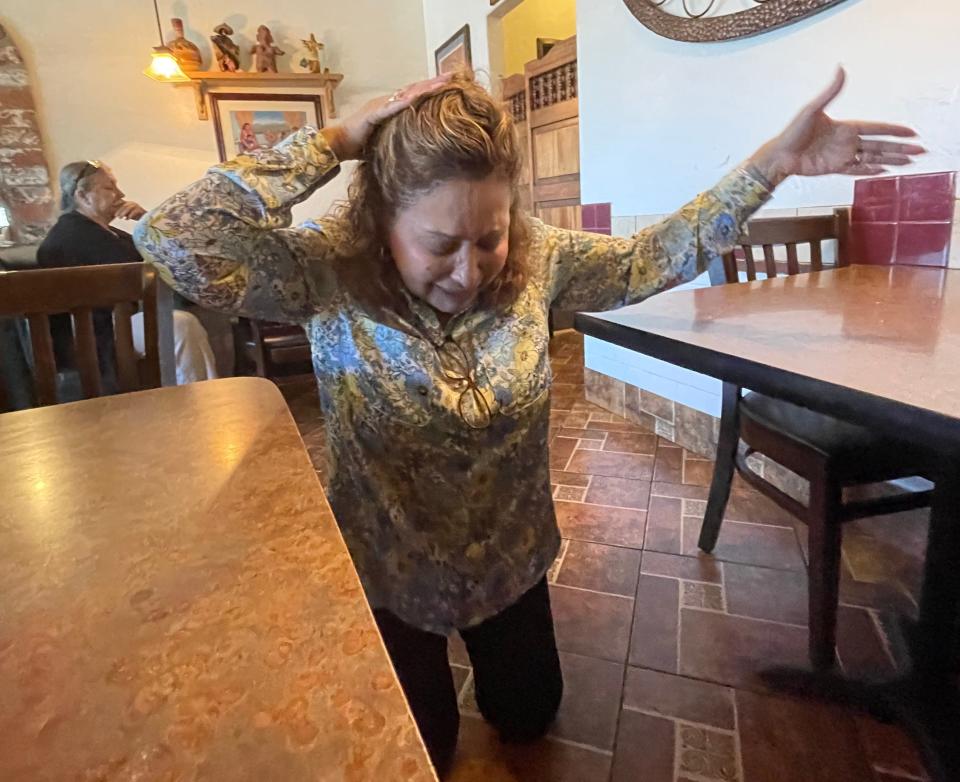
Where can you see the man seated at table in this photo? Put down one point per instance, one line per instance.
(91, 200)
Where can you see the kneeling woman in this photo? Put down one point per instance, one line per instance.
(426, 300)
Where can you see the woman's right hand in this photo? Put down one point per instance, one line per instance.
(349, 137)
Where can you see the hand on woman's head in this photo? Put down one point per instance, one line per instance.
(349, 137)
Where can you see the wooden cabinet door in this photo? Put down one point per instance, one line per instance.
(554, 135)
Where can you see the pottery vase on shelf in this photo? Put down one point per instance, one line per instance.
(185, 52)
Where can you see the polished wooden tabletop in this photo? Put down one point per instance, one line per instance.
(875, 344)
(177, 603)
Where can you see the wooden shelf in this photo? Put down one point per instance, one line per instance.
(201, 80)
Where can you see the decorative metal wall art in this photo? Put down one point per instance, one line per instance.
(688, 20)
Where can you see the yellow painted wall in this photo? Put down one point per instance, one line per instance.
(534, 19)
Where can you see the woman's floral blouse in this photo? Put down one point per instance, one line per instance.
(438, 435)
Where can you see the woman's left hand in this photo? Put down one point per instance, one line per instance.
(815, 144)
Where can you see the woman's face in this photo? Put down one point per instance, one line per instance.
(453, 242)
(100, 196)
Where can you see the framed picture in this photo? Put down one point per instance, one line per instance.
(454, 54)
(248, 121)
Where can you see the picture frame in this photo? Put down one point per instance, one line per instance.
(454, 54)
(248, 121)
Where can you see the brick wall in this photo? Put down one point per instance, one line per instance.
(24, 177)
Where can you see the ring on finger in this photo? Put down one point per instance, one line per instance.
(395, 97)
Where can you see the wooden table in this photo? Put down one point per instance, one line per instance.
(879, 346)
(176, 601)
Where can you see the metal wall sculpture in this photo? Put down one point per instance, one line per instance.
(688, 20)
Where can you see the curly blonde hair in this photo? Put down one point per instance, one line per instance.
(461, 132)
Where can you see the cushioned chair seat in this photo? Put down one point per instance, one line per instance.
(856, 449)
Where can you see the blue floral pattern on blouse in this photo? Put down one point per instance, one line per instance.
(448, 523)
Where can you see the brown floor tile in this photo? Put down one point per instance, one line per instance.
(859, 647)
(591, 624)
(653, 641)
(698, 472)
(575, 420)
(629, 442)
(750, 544)
(889, 748)
(563, 446)
(458, 651)
(699, 568)
(620, 425)
(732, 650)
(670, 489)
(558, 460)
(561, 449)
(561, 478)
(763, 593)
(669, 465)
(881, 557)
(619, 492)
(582, 434)
(604, 417)
(883, 596)
(616, 465)
(568, 374)
(679, 698)
(591, 701)
(481, 757)
(565, 400)
(600, 524)
(664, 531)
(796, 741)
(645, 749)
(753, 506)
(600, 568)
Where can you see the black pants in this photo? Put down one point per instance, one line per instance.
(516, 674)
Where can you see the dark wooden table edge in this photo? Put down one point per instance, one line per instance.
(913, 424)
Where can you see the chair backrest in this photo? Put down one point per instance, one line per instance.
(78, 291)
(791, 232)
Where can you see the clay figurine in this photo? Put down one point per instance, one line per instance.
(228, 53)
(186, 53)
(312, 63)
(265, 53)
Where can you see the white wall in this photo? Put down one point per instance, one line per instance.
(442, 18)
(662, 120)
(85, 61)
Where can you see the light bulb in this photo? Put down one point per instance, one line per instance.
(164, 66)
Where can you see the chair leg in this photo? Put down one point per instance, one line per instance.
(826, 536)
(723, 471)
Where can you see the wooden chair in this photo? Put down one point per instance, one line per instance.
(78, 291)
(831, 454)
(274, 349)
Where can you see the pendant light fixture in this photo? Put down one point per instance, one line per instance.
(163, 65)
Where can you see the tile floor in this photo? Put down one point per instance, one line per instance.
(661, 646)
